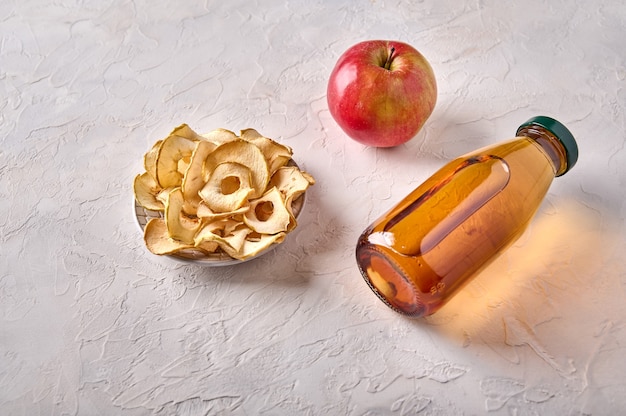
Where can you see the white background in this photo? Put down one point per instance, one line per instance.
(91, 323)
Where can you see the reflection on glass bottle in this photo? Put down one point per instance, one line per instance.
(420, 253)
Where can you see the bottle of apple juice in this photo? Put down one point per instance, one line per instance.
(426, 248)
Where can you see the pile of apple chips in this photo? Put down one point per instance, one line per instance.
(219, 192)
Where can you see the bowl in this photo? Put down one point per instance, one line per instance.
(218, 258)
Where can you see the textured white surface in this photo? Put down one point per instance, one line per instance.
(93, 324)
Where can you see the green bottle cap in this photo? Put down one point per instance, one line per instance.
(561, 133)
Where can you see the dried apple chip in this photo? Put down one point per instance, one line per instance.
(228, 234)
(252, 247)
(158, 240)
(291, 182)
(186, 132)
(146, 190)
(193, 181)
(179, 226)
(250, 135)
(150, 158)
(171, 152)
(220, 136)
(228, 187)
(163, 194)
(243, 153)
(268, 214)
(222, 227)
(208, 247)
(234, 241)
(207, 215)
(275, 154)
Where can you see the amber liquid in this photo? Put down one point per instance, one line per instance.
(421, 252)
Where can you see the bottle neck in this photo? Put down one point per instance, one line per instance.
(550, 144)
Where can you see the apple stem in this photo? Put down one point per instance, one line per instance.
(389, 58)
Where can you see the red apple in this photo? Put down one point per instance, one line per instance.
(381, 92)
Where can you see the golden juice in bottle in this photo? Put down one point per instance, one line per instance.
(421, 252)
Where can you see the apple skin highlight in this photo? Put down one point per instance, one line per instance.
(381, 92)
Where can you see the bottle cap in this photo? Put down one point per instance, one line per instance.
(562, 134)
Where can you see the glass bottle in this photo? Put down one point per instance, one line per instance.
(426, 248)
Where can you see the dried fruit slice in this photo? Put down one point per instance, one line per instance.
(250, 135)
(291, 182)
(146, 190)
(229, 235)
(252, 247)
(179, 226)
(158, 240)
(228, 187)
(162, 195)
(208, 247)
(220, 136)
(275, 154)
(243, 153)
(186, 132)
(150, 158)
(193, 180)
(235, 240)
(171, 152)
(208, 215)
(268, 214)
